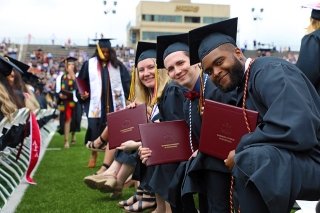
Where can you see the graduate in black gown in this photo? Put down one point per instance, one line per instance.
(164, 181)
(209, 176)
(68, 105)
(9, 72)
(309, 53)
(7, 107)
(279, 161)
(147, 86)
(107, 93)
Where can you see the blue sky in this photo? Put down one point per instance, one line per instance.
(282, 22)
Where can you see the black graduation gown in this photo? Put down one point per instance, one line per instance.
(309, 56)
(76, 116)
(282, 156)
(141, 172)
(170, 108)
(97, 125)
(206, 175)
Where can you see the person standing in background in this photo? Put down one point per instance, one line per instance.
(106, 77)
(70, 109)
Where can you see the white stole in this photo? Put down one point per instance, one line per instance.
(58, 82)
(118, 97)
(119, 100)
(95, 89)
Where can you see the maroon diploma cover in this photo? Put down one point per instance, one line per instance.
(222, 127)
(123, 125)
(169, 141)
(82, 85)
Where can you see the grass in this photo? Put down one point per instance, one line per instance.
(60, 186)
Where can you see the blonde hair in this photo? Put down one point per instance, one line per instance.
(313, 26)
(143, 94)
(7, 107)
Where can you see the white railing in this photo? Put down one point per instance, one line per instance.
(12, 170)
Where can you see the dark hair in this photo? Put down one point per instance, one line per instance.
(113, 57)
(16, 98)
(318, 207)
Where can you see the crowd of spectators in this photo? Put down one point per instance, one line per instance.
(47, 66)
(8, 48)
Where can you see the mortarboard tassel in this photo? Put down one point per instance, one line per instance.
(132, 85)
(101, 56)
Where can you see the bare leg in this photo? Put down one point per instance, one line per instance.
(104, 134)
(73, 137)
(113, 169)
(66, 133)
(108, 159)
(124, 172)
(93, 159)
(161, 205)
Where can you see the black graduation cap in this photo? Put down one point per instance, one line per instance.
(104, 42)
(69, 59)
(6, 66)
(23, 67)
(204, 39)
(27, 77)
(315, 13)
(30, 78)
(145, 50)
(168, 44)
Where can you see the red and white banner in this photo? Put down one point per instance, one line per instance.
(35, 142)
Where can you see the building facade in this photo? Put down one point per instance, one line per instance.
(176, 16)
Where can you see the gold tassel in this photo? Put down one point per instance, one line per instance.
(155, 89)
(101, 56)
(201, 98)
(132, 85)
